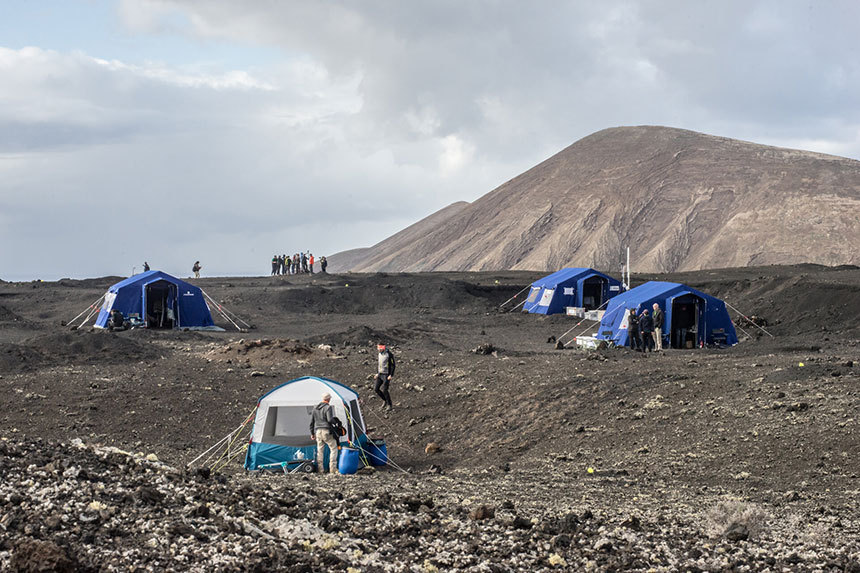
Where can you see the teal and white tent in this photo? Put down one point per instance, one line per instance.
(281, 430)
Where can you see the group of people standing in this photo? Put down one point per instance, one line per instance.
(645, 331)
(298, 263)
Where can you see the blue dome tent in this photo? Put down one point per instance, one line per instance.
(157, 300)
(690, 316)
(579, 287)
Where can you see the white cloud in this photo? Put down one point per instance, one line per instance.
(377, 114)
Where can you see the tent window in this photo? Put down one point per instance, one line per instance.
(288, 426)
(534, 294)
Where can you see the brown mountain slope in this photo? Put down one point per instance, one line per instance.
(377, 256)
(680, 200)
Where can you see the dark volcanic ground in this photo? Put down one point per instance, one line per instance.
(705, 460)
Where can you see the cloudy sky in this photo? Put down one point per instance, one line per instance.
(225, 131)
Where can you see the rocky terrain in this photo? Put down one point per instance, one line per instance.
(518, 457)
(680, 200)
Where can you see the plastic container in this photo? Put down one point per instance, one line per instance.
(377, 452)
(348, 461)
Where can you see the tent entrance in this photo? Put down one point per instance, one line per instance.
(685, 321)
(161, 308)
(592, 292)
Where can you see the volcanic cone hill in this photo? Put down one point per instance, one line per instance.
(680, 200)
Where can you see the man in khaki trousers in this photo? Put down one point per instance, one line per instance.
(657, 317)
(321, 431)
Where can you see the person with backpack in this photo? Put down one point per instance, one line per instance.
(384, 374)
(145, 266)
(323, 422)
(196, 269)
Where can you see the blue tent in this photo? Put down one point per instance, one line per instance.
(580, 287)
(281, 431)
(689, 315)
(158, 300)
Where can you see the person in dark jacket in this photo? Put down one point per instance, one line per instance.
(657, 317)
(116, 321)
(646, 330)
(384, 374)
(323, 264)
(145, 266)
(633, 329)
(275, 263)
(322, 423)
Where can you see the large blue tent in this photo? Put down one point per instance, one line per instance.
(579, 287)
(690, 316)
(157, 300)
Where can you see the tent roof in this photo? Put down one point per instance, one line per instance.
(565, 275)
(342, 390)
(146, 277)
(653, 289)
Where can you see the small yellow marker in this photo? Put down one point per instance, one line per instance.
(590, 470)
(800, 364)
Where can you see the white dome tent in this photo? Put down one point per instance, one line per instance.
(283, 415)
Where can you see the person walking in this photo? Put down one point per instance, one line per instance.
(323, 264)
(196, 269)
(633, 329)
(646, 328)
(145, 266)
(384, 374)
(275, 265)
(322, 419)
(657, 317)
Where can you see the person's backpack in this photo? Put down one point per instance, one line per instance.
(337, 428)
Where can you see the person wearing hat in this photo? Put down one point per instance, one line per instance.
(322, 431)
(384, 374)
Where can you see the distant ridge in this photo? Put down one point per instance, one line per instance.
(379, 255)
(680, 200)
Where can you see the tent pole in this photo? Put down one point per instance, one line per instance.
(513, 297)
(96, 304)
(581, 321)
(516, 307)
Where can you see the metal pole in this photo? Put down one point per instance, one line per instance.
(748, 318)
(513, 297)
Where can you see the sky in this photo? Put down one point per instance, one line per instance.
(171, 131)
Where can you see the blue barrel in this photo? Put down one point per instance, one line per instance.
(348, 462)
(377, 452)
